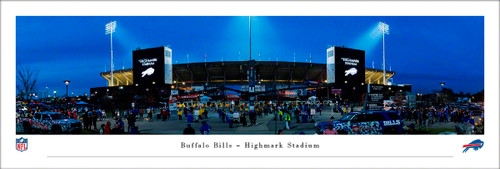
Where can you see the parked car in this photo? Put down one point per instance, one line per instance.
(50, 122)
(368, 122)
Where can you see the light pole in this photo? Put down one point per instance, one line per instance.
(110, 28)
(385, 30)
(55, 93)
(67, 83)
(250, 35)
(442, 84)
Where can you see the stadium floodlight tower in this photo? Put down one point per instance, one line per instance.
(385, 30)
(251, 70)
(110, 28)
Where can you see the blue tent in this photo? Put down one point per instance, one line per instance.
(205, 98)
(81, 103)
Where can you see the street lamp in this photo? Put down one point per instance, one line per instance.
(67, 83)
(55, 93)
(110, 28)
(385, 30)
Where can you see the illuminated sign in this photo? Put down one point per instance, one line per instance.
(258, 88)
(148, 62)
(350, 61)
(351, 71)
(289, 93)
(152, 66)
(346, 69)
(148, 72)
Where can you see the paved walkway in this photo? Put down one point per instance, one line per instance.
(265, 125)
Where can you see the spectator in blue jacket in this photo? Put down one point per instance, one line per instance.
(205, 128)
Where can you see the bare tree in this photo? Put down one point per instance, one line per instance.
(27, 78)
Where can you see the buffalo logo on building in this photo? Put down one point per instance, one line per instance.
(351, 71)
(148, 72)
(21, 144)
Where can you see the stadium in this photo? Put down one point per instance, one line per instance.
(226, 80)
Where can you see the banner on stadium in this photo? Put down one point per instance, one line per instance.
(233, 97)
(258, 88)
(189, 96)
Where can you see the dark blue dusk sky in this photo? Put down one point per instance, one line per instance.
(423, 51)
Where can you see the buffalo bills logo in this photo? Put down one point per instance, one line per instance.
(21, 144)
(476, 145)
(148, 72)
(351, 71)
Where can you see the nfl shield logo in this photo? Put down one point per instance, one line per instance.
(21, 144)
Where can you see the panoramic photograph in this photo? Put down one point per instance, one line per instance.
(250, 75)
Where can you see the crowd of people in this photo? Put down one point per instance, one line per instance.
(429, 115)
(234, 112)
(238, 113)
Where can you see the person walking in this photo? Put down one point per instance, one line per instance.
(205, 128)
(163, 114)
(107, 128)
(103, 114)
(188, 130)
(101, 130)
(243, 119)
(221, 115)
(117, 113)
(150, 115)
(280, 114)
(205, 110)
(99, 113)
(120, 125)
(288, 118)
(94, 119)
(230, 119)
(313, 114)
(296, 114)
(179, 113)
(85, 120)
(131, 121)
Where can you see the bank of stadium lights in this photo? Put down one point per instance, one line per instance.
(110, 28)
(385, 30)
